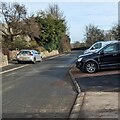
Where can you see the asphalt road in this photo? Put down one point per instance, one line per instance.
(102, 81)
(41, 90)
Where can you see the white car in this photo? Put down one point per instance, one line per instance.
(28, 56)
(97, 46)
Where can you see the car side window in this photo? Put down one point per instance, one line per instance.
(24, 52)
(110, 48)
(35, 52)
(118, 46)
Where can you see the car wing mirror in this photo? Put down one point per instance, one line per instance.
(101, 52)
(93, 48)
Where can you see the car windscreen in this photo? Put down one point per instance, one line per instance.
(97, 46)
(24, 52)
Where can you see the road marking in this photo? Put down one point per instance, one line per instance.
(67, 54)
(8, 88)
(55, 56)
(13, 69)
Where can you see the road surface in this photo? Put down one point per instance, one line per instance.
(41, 90)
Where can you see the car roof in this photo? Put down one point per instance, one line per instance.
(115, 41)
(27, 50)
(106, 42)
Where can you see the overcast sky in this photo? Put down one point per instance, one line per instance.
(80, 14)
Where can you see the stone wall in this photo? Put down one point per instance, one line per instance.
(48, 54)
(13, 54)
(3, 60)
(44, 54)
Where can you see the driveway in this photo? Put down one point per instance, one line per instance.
(104, 81)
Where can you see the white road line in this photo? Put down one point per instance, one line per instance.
(8, 88)
(67, 54)
(55, 57)
(13, 69)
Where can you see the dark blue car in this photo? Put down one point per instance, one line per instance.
(107, 57)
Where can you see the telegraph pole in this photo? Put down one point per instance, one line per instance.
(119, 13)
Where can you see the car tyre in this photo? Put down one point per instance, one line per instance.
(90, 67)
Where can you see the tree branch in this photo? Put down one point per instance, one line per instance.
(3, 32)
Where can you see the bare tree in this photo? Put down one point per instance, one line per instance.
(116, 32)
(93, 34)
(65, 44)
(12, 15)
(55, 11)
(31, 28)
(113, 33)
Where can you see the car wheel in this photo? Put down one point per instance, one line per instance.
(34, 61)
(91, 67)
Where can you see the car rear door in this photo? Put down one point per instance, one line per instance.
(118, 56)
(109, 56)
(36, 55)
